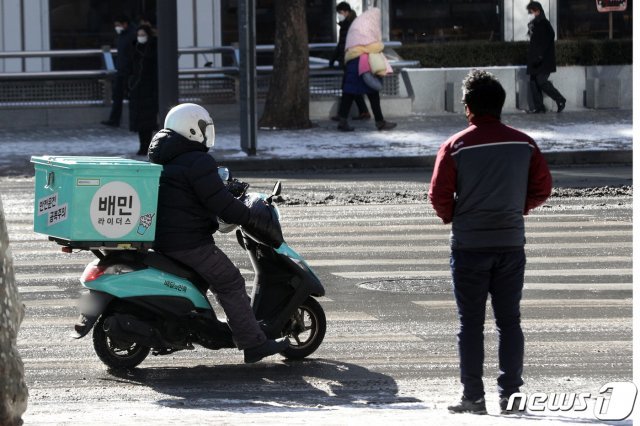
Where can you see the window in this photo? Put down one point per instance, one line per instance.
(581, 19)
(88, 24)
(414, 21)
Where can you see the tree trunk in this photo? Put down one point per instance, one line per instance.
(287, 103)
(13, 390)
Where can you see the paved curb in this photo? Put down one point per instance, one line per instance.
(276, 164)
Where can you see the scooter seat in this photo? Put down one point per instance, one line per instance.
(166, 264)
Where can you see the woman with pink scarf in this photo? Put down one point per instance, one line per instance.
(364, 38)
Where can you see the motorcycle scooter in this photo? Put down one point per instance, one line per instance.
(140, 301)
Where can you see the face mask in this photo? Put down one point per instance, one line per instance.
(341, 17)
(142, 39)
(532, 17)
(119, 29)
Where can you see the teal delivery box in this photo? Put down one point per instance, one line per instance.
(102, 200)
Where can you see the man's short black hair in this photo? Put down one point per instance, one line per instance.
(483, 93)
(343, 6)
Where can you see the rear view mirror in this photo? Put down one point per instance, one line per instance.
(277, 189)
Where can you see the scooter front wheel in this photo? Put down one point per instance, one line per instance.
(305, 329)
(115, 353)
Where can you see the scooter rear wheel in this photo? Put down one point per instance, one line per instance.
(305, 330)
(114, 353)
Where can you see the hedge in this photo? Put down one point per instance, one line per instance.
(483, 54)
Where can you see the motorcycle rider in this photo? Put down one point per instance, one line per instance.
(191, 198)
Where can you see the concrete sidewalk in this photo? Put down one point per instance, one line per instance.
(590, 136)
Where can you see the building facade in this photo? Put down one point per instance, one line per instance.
(28, 25)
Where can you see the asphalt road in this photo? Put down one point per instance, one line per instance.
(390, 350)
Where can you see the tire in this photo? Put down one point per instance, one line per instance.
(305, 330)
(116, 354)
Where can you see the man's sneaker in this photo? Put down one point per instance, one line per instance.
(270, 347)
(515, 409)
(468, 406)
(385, 125)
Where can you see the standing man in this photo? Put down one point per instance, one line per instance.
(541, 59)
(485, 179)
(124, 44)
(346, 16)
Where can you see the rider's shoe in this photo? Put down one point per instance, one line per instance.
(270, 347)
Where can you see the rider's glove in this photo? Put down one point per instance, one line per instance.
(262, 223)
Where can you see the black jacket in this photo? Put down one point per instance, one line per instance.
(192, 196)
(143, 86)
(124, 44)
(338, 55)
(541, 55)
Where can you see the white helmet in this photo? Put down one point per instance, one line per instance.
(193, 122)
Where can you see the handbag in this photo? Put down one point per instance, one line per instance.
(372, 81)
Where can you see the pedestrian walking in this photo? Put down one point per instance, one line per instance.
(541, 60)
(485, 179)
(124, 42)
(143, 88)
(364, 38)
(346, 16)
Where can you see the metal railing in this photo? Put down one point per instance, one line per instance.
(207, 83)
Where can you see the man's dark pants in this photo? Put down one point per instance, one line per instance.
(226, 282)
(117, 96)
(476, 274)
(539, 84)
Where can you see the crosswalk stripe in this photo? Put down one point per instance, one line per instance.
(574, 260)
(391, 233)
(440, 236)
(444, 259)
(342, 248)
(368, 275)
(543, 303)
(375, 225)
(38, 289)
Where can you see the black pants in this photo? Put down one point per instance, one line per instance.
(539, 84)
(348, 98)
(226, 282)
(117, 96)
(475, 276)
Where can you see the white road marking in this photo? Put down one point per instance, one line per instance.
(446, 274)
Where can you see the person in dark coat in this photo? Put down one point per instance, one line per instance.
(541, 59)
(346, 16)
(143, 87)
(124, 43)
(190, 199)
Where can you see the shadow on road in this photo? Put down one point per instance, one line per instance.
(313, 383)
